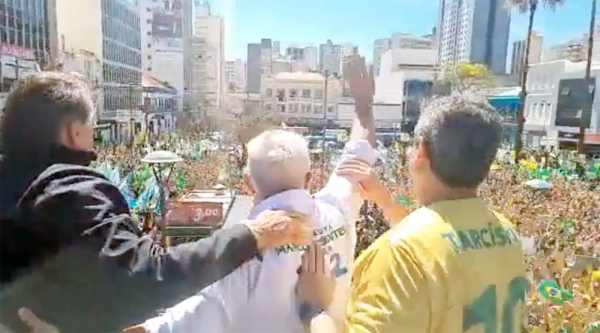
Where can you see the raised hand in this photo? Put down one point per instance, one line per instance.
(362, 86)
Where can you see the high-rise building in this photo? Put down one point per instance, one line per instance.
(122, 57)
(330, 57)
(294, 53)
(379, 48)
(162, 26)
(25, 39)
(276, 50)
(518, 53)
(473, 31)
(253, 69)
(208, 58)
(266, 56)
(236, 75)
(311, 57)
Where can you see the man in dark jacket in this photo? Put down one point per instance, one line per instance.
(70, 251)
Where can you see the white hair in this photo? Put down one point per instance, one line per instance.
(278, 160)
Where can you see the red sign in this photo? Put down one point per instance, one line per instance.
(17, 51)
(191, 213)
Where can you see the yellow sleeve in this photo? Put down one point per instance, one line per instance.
(390, 294)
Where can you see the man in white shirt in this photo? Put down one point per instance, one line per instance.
(260, 297)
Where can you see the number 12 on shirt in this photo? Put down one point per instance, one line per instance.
(483, 310)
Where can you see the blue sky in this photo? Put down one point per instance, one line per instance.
(302, 22)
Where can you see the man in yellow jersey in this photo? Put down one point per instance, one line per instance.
(451, 266)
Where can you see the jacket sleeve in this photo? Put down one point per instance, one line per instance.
(78, 205)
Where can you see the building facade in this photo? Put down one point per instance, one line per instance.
(300, 97)
(380, 46)
(24, 37)
(473, 31)
(311, 58)
(253, 70)
(574, 50)
(162, 32)
(330, 57)
(161, 104)
(518, 53)
(122, 59)
(208, 54)
(236, 76)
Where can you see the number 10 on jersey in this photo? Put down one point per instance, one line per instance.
(483, 310)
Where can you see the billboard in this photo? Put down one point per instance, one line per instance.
(167, 26)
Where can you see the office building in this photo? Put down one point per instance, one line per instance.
(24, 38)
(253, 72)
(311, 58)
(162, 30)
(330, 57)
(122, 58)
(208, 54)
(518, 53)
(276, 48)
(380, 46)
(473, 31)
(236, 76)
(294, 53)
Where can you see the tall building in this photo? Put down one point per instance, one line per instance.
(236, 75)
(266, 56)
(122, 58)
(294, 53)
(380, 46)
(253, 69)
(208, 54)
(25, 38)
(276, 48)
(518, 53)
(330, 57)
(473, 31)
(311, 58)
(162, 27)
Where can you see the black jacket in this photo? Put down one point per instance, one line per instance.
(71, 253)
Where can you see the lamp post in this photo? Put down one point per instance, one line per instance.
(159, 161)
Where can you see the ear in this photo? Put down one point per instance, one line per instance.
(307, 179)
(420, 157)
(69, 133)
(248, 181)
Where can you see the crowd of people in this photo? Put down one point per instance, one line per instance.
(74, 260)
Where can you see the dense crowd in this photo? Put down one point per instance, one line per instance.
(562, 223)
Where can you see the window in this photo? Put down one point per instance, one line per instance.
(566, 91)
(319, 94)
(269, 92)
(306, 93)
(293, 93)
(293, 108)
(318, 109)
(281, 95)
(330, 109)
(305, 108)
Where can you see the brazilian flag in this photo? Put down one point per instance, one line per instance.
(551, 291)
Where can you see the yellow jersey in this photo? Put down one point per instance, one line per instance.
(452, 267)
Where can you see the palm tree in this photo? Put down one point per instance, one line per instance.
(526, 6)
(588, 69)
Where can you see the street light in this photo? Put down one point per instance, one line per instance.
(159, 161)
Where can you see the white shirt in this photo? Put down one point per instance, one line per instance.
(260, 296)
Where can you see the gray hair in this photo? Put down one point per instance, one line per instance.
(462, 134)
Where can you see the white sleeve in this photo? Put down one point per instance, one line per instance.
(212, 308)
(338, 190)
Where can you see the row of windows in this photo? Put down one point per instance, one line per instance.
(160, 104)
(121, 75)
(281, 94)
(30, 11)
(298, 108)
(122, 98)
(121, 12)
(116, 52)
(22, 38)
(118, 31)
